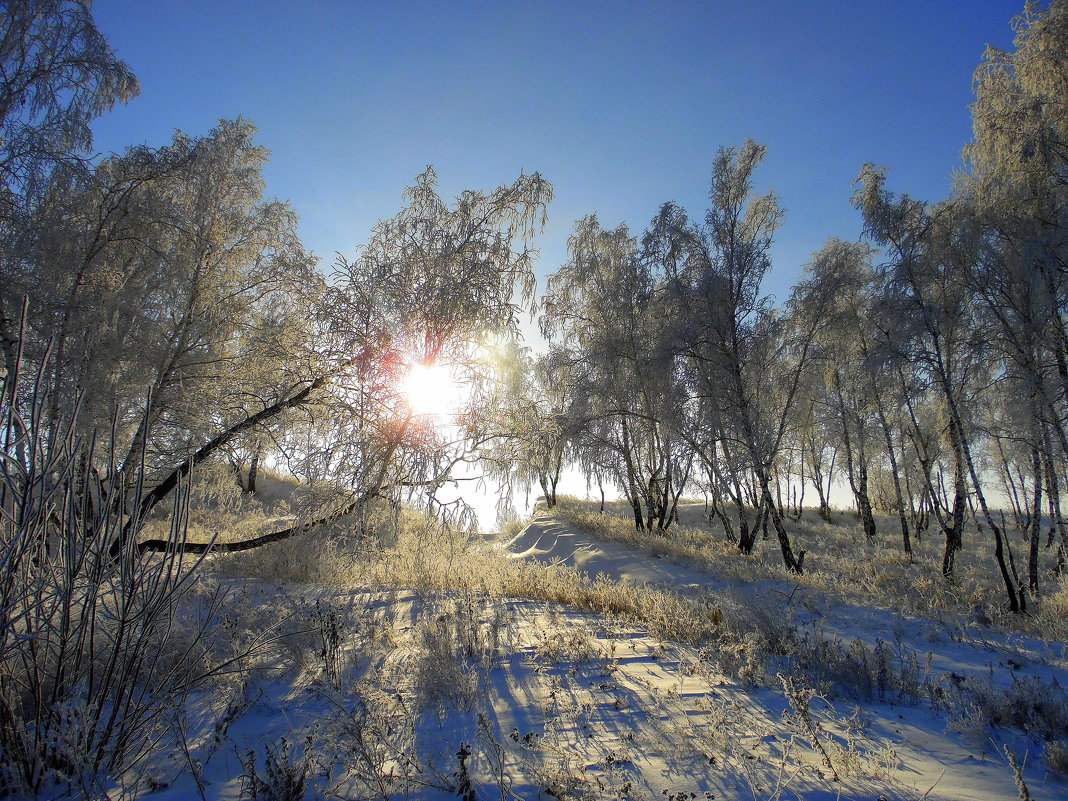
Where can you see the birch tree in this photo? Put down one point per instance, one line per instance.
(59, 74)
(603, 308)
(731, 333)
(1016, 197)
(936, 317)
(432, 283)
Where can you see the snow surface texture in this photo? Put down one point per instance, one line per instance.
(406, 694)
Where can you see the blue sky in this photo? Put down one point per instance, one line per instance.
(620, 105)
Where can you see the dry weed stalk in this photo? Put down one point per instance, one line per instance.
(800, 699)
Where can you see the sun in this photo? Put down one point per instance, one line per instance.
(432, 390)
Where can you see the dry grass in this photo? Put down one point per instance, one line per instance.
(431, 558)
(427, 556)
(220, 511)
(839, 560)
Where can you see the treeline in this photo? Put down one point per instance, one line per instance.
(926, 366)
(158, 311)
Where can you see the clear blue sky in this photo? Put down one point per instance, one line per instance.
(620, 105)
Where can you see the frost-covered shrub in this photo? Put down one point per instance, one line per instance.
(99, 642)
(571, 643)
(441, 673)
(1055, 755)
(1036, 707)
(285, 772)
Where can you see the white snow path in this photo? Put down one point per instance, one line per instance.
(975, 651)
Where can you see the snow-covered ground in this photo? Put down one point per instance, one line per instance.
(419, 694)
(930, 757)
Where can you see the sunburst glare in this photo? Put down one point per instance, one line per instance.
(433, 390)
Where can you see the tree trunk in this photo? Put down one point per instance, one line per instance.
(954, 526)
(763, 516)
(632, 483)
(746, 536)
(793, 564)
(867, 516)
(253, 472)
(898, 497)
(1053, 493)
(817, 481)
(1036, 523)
(856, 466)
(543, 482)
(1017, 600)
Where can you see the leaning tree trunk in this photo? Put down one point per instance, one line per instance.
(253, 472)
(898, 497)
(795, 564)
(150, 499)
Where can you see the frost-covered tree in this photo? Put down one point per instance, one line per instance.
(163, 287)
(1015, 195)
(433, 284)
(593, 314)
(746, 357)
(605, 313)
(528, 433)
(844, 345)
(937, 329)
(59, 74)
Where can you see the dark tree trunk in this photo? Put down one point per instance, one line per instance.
(548, 489)
(253, 472)
(794, 564)
(867, 516)
(1015, 593)
(764, 514)
(167, 485)
(1053, 493)
(954, 526)
(746, 536)
(1036, 523)
(817, 481)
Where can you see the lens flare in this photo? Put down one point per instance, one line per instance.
(432, 389)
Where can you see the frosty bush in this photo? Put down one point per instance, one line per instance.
(92, 658)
